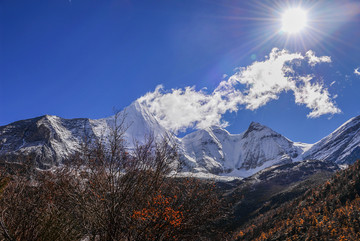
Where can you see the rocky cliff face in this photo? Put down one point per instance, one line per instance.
(48, 139)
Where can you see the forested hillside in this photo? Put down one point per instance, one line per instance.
(330, 211)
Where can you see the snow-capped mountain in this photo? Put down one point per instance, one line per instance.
(217, 151)
(51, 139)
(341, 146)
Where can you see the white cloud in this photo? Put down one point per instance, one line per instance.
(183, 108)
(250, 87)
(356, 71)
(313, 60)
(267, 79)
(315, 97)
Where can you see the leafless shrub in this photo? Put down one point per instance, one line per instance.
(107, 192)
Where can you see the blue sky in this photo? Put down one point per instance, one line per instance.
(81, 58)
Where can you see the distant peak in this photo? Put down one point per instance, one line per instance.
(255, 126)
(48, 117)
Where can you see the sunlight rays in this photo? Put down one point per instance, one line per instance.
(285, 25)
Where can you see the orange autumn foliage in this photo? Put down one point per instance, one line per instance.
(161, 212)
(330, 211)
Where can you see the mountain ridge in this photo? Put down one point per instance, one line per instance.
(50, 139)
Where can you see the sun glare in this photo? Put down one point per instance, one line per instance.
(294, 20)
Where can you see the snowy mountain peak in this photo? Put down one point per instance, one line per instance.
(137, 120)
(51, 139)
(256, 126)
(257, 130)
(217, 151)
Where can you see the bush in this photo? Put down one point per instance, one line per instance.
(107, 192)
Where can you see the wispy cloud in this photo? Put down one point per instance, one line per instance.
(250, 87)
(356, 71)
(313, 60)
(183, 108)
(315, 97)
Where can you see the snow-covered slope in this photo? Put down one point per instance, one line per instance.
(47, 138)
(138, 123)
(50, 139)
(341, 146)
(217, 151)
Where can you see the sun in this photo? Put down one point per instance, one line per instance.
(294, 20)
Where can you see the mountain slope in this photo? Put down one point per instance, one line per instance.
(341, 146)
(330, 211)
(217, 151)
(47, 138)
(273, 186)
(51, 139)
